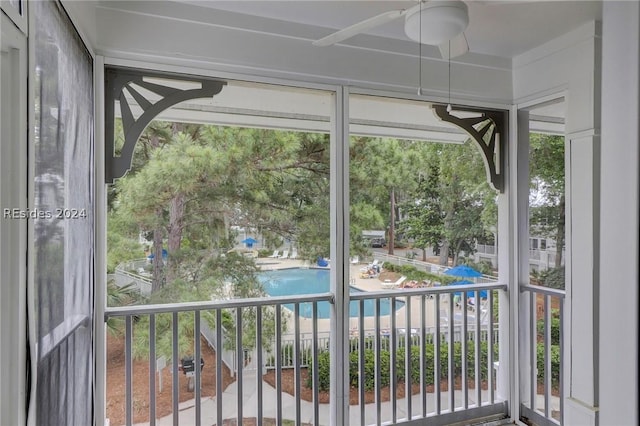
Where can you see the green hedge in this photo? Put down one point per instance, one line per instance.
(555, 330)
(385, 362)
(555, 363)
(412, 273)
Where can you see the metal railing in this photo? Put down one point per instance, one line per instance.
(543, 402)
(485, 249)
(454, 376)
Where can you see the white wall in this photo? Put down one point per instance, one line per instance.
(619, 214)
(568, 66)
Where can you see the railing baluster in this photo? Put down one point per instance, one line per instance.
(175, 380)
(450, 354)
(278, 364)
(239, 362)
(259, 362)
(436, 358)
(128, 392)
(296, 360)
(152, 370)
(490, 350)
(361, 361)
(478, 372)
(378, 381)
(197, 367)
(463, 344)
(408, 344)
(219, 349)
(423, 354)
(547, 354)
(392, 355)
(561, 361)
(316, 377)
(532, 349)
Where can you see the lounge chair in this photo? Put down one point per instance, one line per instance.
(388, 285)
(354, 260)
(285, 254)
(275, 254)
(294, 255)
(372, 265)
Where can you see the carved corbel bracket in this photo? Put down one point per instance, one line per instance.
(488, 129)
(126, 88)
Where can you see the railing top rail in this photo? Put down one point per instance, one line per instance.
(445, 289)
(120, 265)
(543, 290)
(134, 276)
(217, 304)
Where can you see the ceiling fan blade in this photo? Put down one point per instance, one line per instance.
(360, 27)
(459, 46)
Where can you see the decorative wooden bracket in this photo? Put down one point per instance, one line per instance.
(488, 128)
(120, 82)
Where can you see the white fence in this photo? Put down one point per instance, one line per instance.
(385, 343)
(425, 266)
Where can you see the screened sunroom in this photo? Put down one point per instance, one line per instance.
(189, 181)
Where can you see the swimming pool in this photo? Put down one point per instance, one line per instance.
(297, 281)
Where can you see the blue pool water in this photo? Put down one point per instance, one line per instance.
(297, 281)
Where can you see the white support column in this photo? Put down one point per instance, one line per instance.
(520, 303)
(581, 354)
(575, 62)
(339, 192)
(13, 229)
(100, 237)
(619, 213)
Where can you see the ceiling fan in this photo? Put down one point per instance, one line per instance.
(434, 22)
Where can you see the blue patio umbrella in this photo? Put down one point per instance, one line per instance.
(249, 242)
(164, 255)
(463, 271)
(483, 293)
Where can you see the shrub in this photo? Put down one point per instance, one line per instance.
(555, 363)
(555, 330)
(368, 380)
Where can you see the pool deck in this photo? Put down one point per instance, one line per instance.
(365, 284)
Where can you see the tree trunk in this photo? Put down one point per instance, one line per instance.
(424, 254)
(176, 221)
(444, 253)
(392, 222)
(157, 281)
(444, 250)
(560, 233)
(456, 254)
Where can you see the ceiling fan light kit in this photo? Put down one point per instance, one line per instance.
(437, 21)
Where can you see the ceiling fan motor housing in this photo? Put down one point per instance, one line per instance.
(441, 21)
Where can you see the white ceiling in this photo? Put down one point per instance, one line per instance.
(277, 35)
(504, 28)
